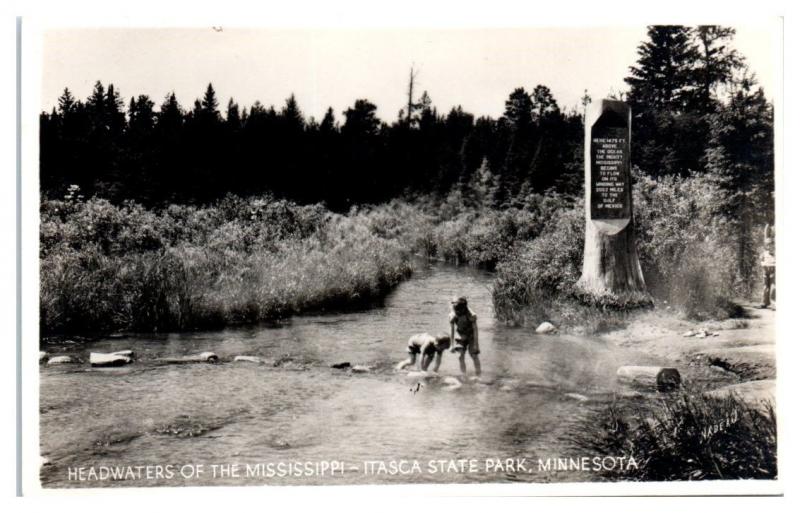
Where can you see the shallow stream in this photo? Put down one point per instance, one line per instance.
(537, 390)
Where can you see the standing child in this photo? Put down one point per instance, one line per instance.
(464, 333)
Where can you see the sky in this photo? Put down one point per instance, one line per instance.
(474, 68)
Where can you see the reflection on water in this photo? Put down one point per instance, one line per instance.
(150, 414)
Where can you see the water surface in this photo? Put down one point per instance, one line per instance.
(301, 410)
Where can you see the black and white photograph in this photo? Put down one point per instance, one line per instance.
(280, 256)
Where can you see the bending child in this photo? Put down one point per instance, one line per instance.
(464, 331)
(429, 348)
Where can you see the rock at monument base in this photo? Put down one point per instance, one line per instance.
(58, 360)
(250, 359)
(755, 394)
(108, 360)
(545, 327)
(340, 365)
(655, 378)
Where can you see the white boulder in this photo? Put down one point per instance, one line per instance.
(545, 327)
(59, 360)
(108, 360)
(251, 359)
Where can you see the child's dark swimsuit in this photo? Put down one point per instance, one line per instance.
(464, 331)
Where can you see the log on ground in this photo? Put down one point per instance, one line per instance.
(661, 379)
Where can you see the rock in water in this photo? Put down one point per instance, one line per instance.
(360, 369)
(655, 378)
(42, 356)
(58, 360)
(578, 397)
(451, 381)
(545, 327)
(205, 357)
(125, 352)
(340, 365)
(108, 360)
(251, 359)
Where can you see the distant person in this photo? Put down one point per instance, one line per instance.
(768, 264)
(464, 333)
(429, 348)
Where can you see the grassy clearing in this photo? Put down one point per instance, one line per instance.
(686, 436)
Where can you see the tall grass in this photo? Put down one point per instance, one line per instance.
(687, 436)
(107, 267)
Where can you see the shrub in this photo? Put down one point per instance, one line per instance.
(688, 249)
(540, 274)
(693, 254)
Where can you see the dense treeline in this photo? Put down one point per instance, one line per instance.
(197, 156)
(696, 109)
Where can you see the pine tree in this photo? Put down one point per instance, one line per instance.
(664, 77)
(233, 118)
(360, 120)
(292, 116)
(543, 103)
(519, 109)
(740, 155)
(716, 64)
(668, 132)
(209, 106)
(328, 124)
(66, 102)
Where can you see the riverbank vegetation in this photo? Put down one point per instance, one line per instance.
(108, 267)
(687, 437)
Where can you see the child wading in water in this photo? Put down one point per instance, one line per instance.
(429, 349)
(464, 333)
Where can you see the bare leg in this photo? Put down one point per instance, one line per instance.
(462, 363)
(407, 362)
(477, 362)
(425, 361)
